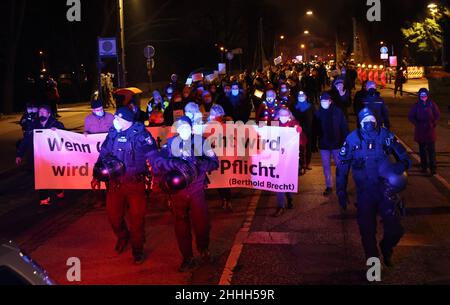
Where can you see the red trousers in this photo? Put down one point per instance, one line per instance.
(191, 208)
(128, 197)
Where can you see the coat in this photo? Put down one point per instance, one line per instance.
(424, 116)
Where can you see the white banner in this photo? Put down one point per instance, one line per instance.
(65, 160)
(265, 158)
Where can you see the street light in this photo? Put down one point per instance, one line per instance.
(282, 37)
(306, 32)
(309, 13)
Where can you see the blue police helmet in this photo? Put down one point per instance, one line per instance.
(108, 169)
(395, 180)
(180, 176)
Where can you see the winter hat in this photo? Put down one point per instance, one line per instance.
(183, 120)
(125, 114)
(366, 112)
(325, 96)
(96, 104)
(424, 91)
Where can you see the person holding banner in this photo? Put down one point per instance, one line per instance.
(181, 168)
(98, 122)
(122, 163)
(287, 120)
(45, 121)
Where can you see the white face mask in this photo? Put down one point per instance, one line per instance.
(302, 99)
(117, 125)
(284, 90)
(284, 119)
(190, 115)
(235, 92)
(270, 99)
(185, 132)
(99, 113)
(325, 105)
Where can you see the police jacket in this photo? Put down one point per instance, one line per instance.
(364, 153)
(130, 147)
(201, 156)
(378, 107)
(27, 142)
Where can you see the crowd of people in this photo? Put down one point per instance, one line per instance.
(315, 100)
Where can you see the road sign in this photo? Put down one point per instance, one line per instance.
(384, 50)
(107, 47)
(149, 52)
(384, 56)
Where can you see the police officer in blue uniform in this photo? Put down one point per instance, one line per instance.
(181, 168)
(365, 151)
(122, 164)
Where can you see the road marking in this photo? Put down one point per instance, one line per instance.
(238, 245)
(416, 157)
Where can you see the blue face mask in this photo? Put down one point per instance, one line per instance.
(235, 92)
(117, 125)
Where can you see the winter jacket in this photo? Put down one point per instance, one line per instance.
(330, 128)
(425, 117)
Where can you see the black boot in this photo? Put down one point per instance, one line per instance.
(279, 212)
(290, 205)
(387, 256)
(187, 265)
(328, 191)
(138, 257)
(121, 245)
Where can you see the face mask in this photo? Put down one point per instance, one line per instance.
(302, 99)
(424, 98)
(43, 119)
(369, 126)
(117, 125)
(325, 105)
(284, 119)
(284, 90)
(190, 116)
(30, 110)
(235, 92)
(185, 133)
(270, 99)
(99, 113)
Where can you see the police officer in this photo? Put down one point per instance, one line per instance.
(190, 154)
(365, 150)
(127, 143)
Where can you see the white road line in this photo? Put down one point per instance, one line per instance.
(241, 236)
(416, 157)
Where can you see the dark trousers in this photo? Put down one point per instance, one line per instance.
(428, 155)
(131, 197)
(225, 194)
(398, 87)
(191, 208)
(305, 155)
(371, 202)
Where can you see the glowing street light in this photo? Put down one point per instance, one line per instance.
(306, 32)
(309, 13)
(282, 37)
(222, 49)
(302, 46)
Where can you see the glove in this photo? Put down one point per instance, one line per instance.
(343, 200)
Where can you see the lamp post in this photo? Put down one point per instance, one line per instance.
(122, 79)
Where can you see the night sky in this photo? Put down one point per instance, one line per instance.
(185, 32)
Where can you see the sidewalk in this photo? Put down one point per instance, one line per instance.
(412, 86)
